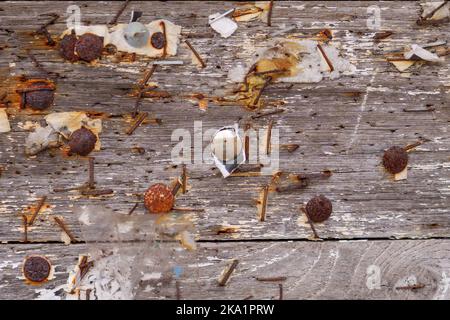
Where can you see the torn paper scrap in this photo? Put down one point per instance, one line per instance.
(402, 65)
(41, 139)
(250, 12)
(65, 123)
(225, 26)
(156, 30)
(4, 122)
(417, 51)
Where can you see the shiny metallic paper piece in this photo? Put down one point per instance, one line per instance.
(227, 149)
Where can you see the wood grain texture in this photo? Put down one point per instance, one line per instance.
(314, 270)
(346, 133)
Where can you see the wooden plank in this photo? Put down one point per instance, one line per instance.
(313, 270)
(334, 130)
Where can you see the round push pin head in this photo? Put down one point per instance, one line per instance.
(89, 47)
(395, 159)
(36, 269)
(136, 34)
(158, 198)
(319, 208)
(82, 142)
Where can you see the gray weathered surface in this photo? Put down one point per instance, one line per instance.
(346, 134)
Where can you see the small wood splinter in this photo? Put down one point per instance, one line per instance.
(202, 62)
(66, 230)
(225, 276)
(38, 208)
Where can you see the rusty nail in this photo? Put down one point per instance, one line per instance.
(38, 208)
(183, 179)
(225, 276)
(137, 123)
(25, 228)
(271, 278)
(178, 291)
(264, 196)
(97, 192)
(311, 224)
(196, 54)
(269, 137)
(119, 13)
(266, 83)
(330, 65)
(163, 26)
(186, 209)
(395, 159)
(132, 209)
(269, 14)
(64, 228)
(280, 286)
(319, 208)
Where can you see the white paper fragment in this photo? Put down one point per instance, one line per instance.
(65, 123)
(419, 52)
(225, 26)
(237, 73)
(115, 36)
(402, 65)
(311, 68)
(4, 122)
(403, 175)
(41, 139)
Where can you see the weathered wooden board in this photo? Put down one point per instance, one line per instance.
(338, 269)
(344, 133)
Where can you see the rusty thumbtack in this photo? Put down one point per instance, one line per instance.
(223, 279)
(159, 199)
(203, 64)
(36, 269)
(25, 228)
(64, 228)
(330, 65)
(36, 211)
(91, 182)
